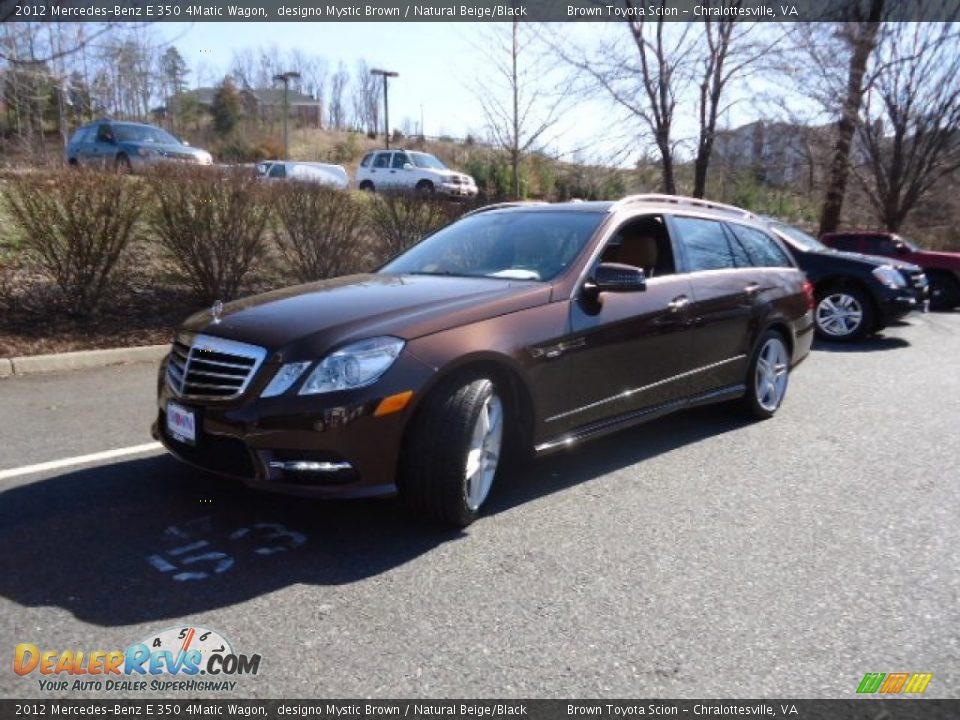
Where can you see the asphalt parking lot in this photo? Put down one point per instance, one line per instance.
(699, 556)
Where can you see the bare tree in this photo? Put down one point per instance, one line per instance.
(336, 111)
(860, 35)
(729, 52)
(367, 90)
(909, 127)
(518, 107)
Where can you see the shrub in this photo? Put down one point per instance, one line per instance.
(212, 225)
(320, 230)
(75, 227)
(400, 219)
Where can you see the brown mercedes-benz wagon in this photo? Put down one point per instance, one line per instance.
(525, 327)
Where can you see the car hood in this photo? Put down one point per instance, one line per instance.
(874, 260)
(940, 258)
(305, 321)
(451, 174)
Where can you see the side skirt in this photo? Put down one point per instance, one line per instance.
(636, 417)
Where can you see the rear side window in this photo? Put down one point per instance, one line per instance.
(762, 249)
(706, 244)
(105, 133)
(850, 243)
(879, 245)
(382, 160)
(366, 160)
(80, 136)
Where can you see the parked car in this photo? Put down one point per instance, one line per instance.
(129, 146)
(857, 295)
(411, 170)
(313, 172)
(520, 327)
(942, 268)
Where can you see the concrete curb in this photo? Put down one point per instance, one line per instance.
(81, 360)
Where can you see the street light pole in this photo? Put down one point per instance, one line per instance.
(386, 107)
(285, 78)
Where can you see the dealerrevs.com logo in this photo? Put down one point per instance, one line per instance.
(171, 660)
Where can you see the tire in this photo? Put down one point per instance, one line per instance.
(766, 388)
(366, 186)
(944, 291)
(842, 314)
(451, 454)
(122, 164)
(425, 187)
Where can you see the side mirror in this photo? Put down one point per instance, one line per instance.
(900, 248)
(185, 143)
(614, 277)
(408, 166)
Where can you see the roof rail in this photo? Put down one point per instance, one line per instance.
(680, 200)
(502, 205)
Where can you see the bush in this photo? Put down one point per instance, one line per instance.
(75, 227)
(212, 225)
(321, 230)
(400, 219)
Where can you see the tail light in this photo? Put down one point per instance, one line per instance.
(808, 294)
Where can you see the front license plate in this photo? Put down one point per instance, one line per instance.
(181, 423)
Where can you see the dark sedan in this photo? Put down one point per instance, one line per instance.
(519, 329)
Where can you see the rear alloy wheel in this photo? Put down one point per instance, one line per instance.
(768, 376)
(366, 186)
(843, 315)
(452, 453)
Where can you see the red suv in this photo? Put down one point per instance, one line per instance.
(942, 268)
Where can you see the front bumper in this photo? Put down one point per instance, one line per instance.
(895, 304)
(456, 190)
(328, 445)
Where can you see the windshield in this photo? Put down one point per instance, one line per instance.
(911, 245)
(512, 244)
(422, 160)
(799, 237)
(143, 134)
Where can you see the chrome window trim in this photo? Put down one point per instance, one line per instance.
(199, 341)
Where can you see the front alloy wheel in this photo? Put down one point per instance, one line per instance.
(484, 453)
(842, 315)
(452, 451)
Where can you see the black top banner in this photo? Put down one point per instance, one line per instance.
(316, 709)
(461, 10)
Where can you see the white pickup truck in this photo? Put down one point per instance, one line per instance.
(411, 170)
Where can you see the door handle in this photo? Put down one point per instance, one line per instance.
(752, 289)
(678, 303)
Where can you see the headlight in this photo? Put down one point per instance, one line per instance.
(889, 276)
(355, 365)
(285, 377)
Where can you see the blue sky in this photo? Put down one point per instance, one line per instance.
(438, 64)
(435, 60)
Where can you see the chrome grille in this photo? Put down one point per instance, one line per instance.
(206, 367)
